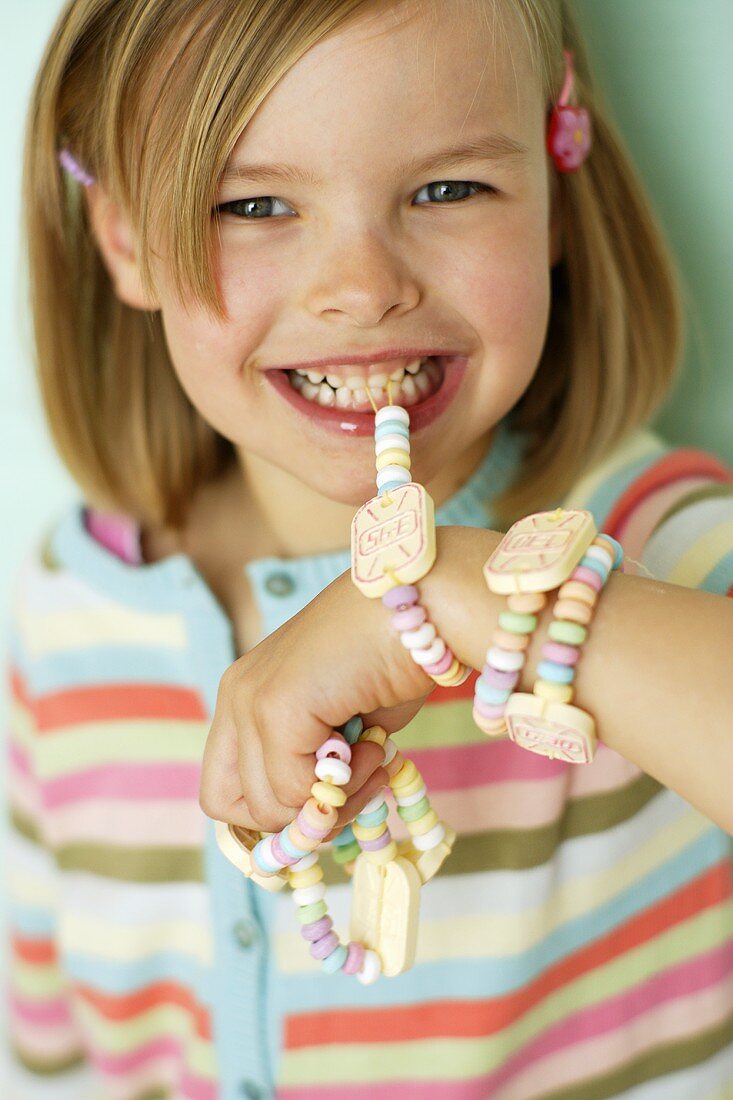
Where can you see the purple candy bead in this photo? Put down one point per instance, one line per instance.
(379, 842)
(336, 745)
(404, 595)
(325, 946)
(489, 710)
(409, 619)
(316, 929)
(499, 678)
(355, 958)
(307, 829)
(280, 855)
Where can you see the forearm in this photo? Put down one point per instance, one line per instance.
(656, 670)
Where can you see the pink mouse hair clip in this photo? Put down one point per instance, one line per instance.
(569, 136)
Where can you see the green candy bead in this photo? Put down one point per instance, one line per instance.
(346, 852)
(517, 623)
(572, 633)
(415, 812)
(314, 911)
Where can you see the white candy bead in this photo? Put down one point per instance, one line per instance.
(268, 856)
(387, 442)
(430, 655)
(390, 751)
(430, 839)
(373, 804)
(504, 659)
(391, 412)
(371, 968)
(411, 799)
(306, 862)
(420, 638)
(338, 771)
(600, 554)
(306, 895)
(393, 473)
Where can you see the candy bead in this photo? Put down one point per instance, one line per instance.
(397, 474)
(354, 958)
(515, 623)
(305, 864)
(414, 812)
(576, 590)
(367, 832)
(317, 929)
(511, 642)
(309, 913)
(450, 674)
(489, 710)
(573, 611)
(300, 879)
(391, 427)
(409, 619)
(353, 728)
(401, 596)
(347, 853)
(418, 639)
(328, 794)
(572, 633)
(388, 487)
(393, 442)
(429, 840)
(393, 457)
(554, 693)
(306, 895)
(335, 771)
(325, 946)
(283, 845)
(335, 960)
(498, 678)
(383, 855)
(392, 412)
(375, 734)
(491, 694)
(335, 746)
(588, 576)
(370, 968)
(442, 666)
(414, 787)
(597, 566)
(375, 843)
(390, 751)
(406, 774)
(492, 727)
(561, 654)
(526, 602)
(373, 804)
(615, 546)
(344, 837)
(556, 674)
(504, 661)
(602, 554)
(369, 820)
(306, 830)
(323, 819)
(430, 655)
(424, 825)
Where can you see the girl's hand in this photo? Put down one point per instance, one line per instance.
(278, 703)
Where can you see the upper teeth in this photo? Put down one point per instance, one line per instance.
(356, 382)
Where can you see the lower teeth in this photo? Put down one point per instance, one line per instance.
(411, 390)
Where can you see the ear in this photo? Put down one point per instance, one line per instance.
(116, 242)
(555, 234)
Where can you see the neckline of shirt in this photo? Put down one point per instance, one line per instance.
(160, 582)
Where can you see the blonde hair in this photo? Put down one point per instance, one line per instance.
(157, 136)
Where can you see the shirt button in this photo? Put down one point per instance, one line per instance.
(252, 1090)
(280, 584)
(245, 932)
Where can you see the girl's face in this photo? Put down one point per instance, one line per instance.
(357, 250)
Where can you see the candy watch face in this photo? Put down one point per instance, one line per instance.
(393, 535)
(556, 730)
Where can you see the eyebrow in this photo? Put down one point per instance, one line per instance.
(490, 147)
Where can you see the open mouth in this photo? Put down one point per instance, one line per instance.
(408, 385)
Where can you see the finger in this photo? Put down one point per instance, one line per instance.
(376, 782)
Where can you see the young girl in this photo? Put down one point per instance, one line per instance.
(361, 193)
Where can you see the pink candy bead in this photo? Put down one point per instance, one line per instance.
(354, 959)
(336, 746)
(440, 666)
(499, 678)
(321, 948)
(317, 929)
(587, 576)
(307, 829)
(409, 619)
(560, 654)
(489, 710)
(403, 595)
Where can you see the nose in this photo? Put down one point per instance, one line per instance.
(359, 279)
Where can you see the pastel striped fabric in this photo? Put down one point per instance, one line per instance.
(578, 944)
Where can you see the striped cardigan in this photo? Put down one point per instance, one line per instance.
(577, 944)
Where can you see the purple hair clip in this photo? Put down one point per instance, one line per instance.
(67, 161)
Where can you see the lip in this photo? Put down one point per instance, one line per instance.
(348, 422)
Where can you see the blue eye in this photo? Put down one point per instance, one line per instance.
(260, 209)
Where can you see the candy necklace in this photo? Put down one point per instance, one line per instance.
(387, 875)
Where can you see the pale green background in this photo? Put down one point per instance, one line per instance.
(666, 69)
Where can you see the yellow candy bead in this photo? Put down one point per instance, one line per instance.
(555, 693)
(374, 733)
(309, 877)
(405, 775)
(327, 793)
(383, 855)
(367, 832)
(423, 824)
(412, 787)
(393, 457)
